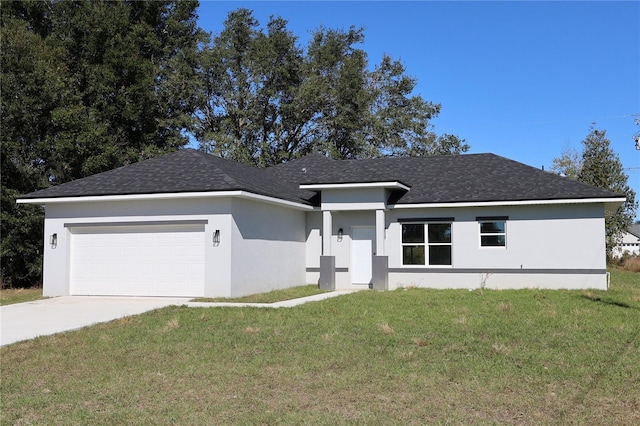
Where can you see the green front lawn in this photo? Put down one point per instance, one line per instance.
(399, 357)
(9, 296)
(270, 297)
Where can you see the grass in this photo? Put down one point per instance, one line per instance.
(400, 357)
(632, 264)
(270, 297)
(19, 295)
(626, 262)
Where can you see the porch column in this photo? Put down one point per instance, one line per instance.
(327, 261)
(327, 225)
(380, 273)
(380, 232)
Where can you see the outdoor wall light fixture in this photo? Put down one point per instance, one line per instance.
(340, 233)
(53, 240)
(216, 238)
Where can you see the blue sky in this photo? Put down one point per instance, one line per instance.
(519, 79)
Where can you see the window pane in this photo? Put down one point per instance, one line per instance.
(413, 255)
(492, 227)
(493, 240)
(439, 232)
(413, 233)
(439, 255)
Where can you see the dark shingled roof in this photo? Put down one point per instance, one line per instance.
(437, 179)
(634, 230)
(182, 171)
(443, 178)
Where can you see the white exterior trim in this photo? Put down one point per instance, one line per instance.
(251, 195)
(164, 196)
(395, 184)
(509, 203)
(371, 206)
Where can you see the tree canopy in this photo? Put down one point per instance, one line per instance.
(568, 164)
(87, 86)
(599, 165)
(269, 100)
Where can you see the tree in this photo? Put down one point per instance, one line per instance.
(601, 167)
(86, 86)
(268, 100)
(399, 122)
(251, 92)
(30, 87)
(568, 164)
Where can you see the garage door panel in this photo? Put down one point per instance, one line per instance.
(138, 261)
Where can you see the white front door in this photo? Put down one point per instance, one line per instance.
(362, 254)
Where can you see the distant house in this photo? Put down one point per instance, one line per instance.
(630, 242)
(191, 224)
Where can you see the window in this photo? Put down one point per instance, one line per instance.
(413, 244)
(493, 233)
(426, 244)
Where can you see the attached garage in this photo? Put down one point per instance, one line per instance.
(184, 225)
(137, 259)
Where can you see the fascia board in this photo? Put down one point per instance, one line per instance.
(163, 196)
(359, 185)
(272, 200)
(609, 202)
(380, 205)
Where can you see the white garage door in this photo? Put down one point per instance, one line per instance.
(138, 260)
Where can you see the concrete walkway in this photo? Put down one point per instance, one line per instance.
(23, 321)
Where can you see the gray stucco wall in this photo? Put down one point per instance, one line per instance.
(548, 246)
(566, 241)
(268, 247)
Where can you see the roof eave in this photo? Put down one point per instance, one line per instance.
(165, 196)
(355, 185)
(611, 204)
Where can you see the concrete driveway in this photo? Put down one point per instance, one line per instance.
(23, 321)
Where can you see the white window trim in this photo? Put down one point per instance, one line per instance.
(426, 245)
(481, 234)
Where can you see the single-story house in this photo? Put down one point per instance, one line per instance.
(629, 243)
(192, 224)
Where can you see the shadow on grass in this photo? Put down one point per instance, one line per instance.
(599, 299)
